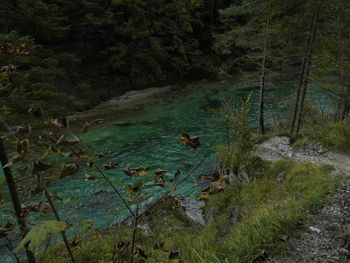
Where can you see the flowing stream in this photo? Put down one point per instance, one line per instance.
(147, 137)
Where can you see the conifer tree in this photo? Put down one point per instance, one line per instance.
(332, 63)
(249, 26)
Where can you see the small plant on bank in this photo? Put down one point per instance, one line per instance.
(238, 157)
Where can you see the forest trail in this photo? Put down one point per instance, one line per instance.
(325, 236)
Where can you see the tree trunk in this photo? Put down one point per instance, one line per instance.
(346, 103)
(301, 79)
(308, 66)
(262, 85)
(15, 199)
(212, 12)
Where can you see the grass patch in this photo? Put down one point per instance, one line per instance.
(270, 210)
(334, 136)
(300, 143)
(246, 224)
(259, 138)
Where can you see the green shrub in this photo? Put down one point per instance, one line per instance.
(334, 136)
(278, 167)
(267, 211)
(300, 143)
(270, 209)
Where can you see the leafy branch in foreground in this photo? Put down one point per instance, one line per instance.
(40, 232)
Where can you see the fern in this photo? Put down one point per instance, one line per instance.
(40, 232)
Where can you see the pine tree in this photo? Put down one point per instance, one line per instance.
(249, 26)
(332, 64)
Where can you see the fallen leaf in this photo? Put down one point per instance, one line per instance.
(186, 139)
(158, 172)
(23, 131)
(5, 229)
(4, 110)
(89, 177)
(26, 209)
(48, 137)
(173, 189)
(22, 146)
(128, 171)
(78, 153)
(59, 123)
(134, 188)
(89, 125)
(141, 171)
(69, 169)
(103, 154)
(75, 244)
(111, 165)
(160, 182)
(217, 186)
(175, 177)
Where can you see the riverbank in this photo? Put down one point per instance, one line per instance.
(129, 101)
(242, 223)
(136, 137)
(137, 100)
(325, 236)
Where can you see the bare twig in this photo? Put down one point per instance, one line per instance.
(63, 233)
(174, 187)
(115, 190)
(134, 230)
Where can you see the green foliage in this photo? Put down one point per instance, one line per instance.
(279, 167)
(81, 49)
(298, 144)
(270, 209)
(246, 222)
(334, 136)
(259, 138)
(33, 78)
(238, 157)
(40, 232)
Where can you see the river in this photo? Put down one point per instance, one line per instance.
(145, 135)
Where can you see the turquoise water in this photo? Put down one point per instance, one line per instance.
(149, 139)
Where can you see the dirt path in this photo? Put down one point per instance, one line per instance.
(325, 236)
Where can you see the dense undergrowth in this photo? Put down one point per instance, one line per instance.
(332, 136)
(246, 222)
